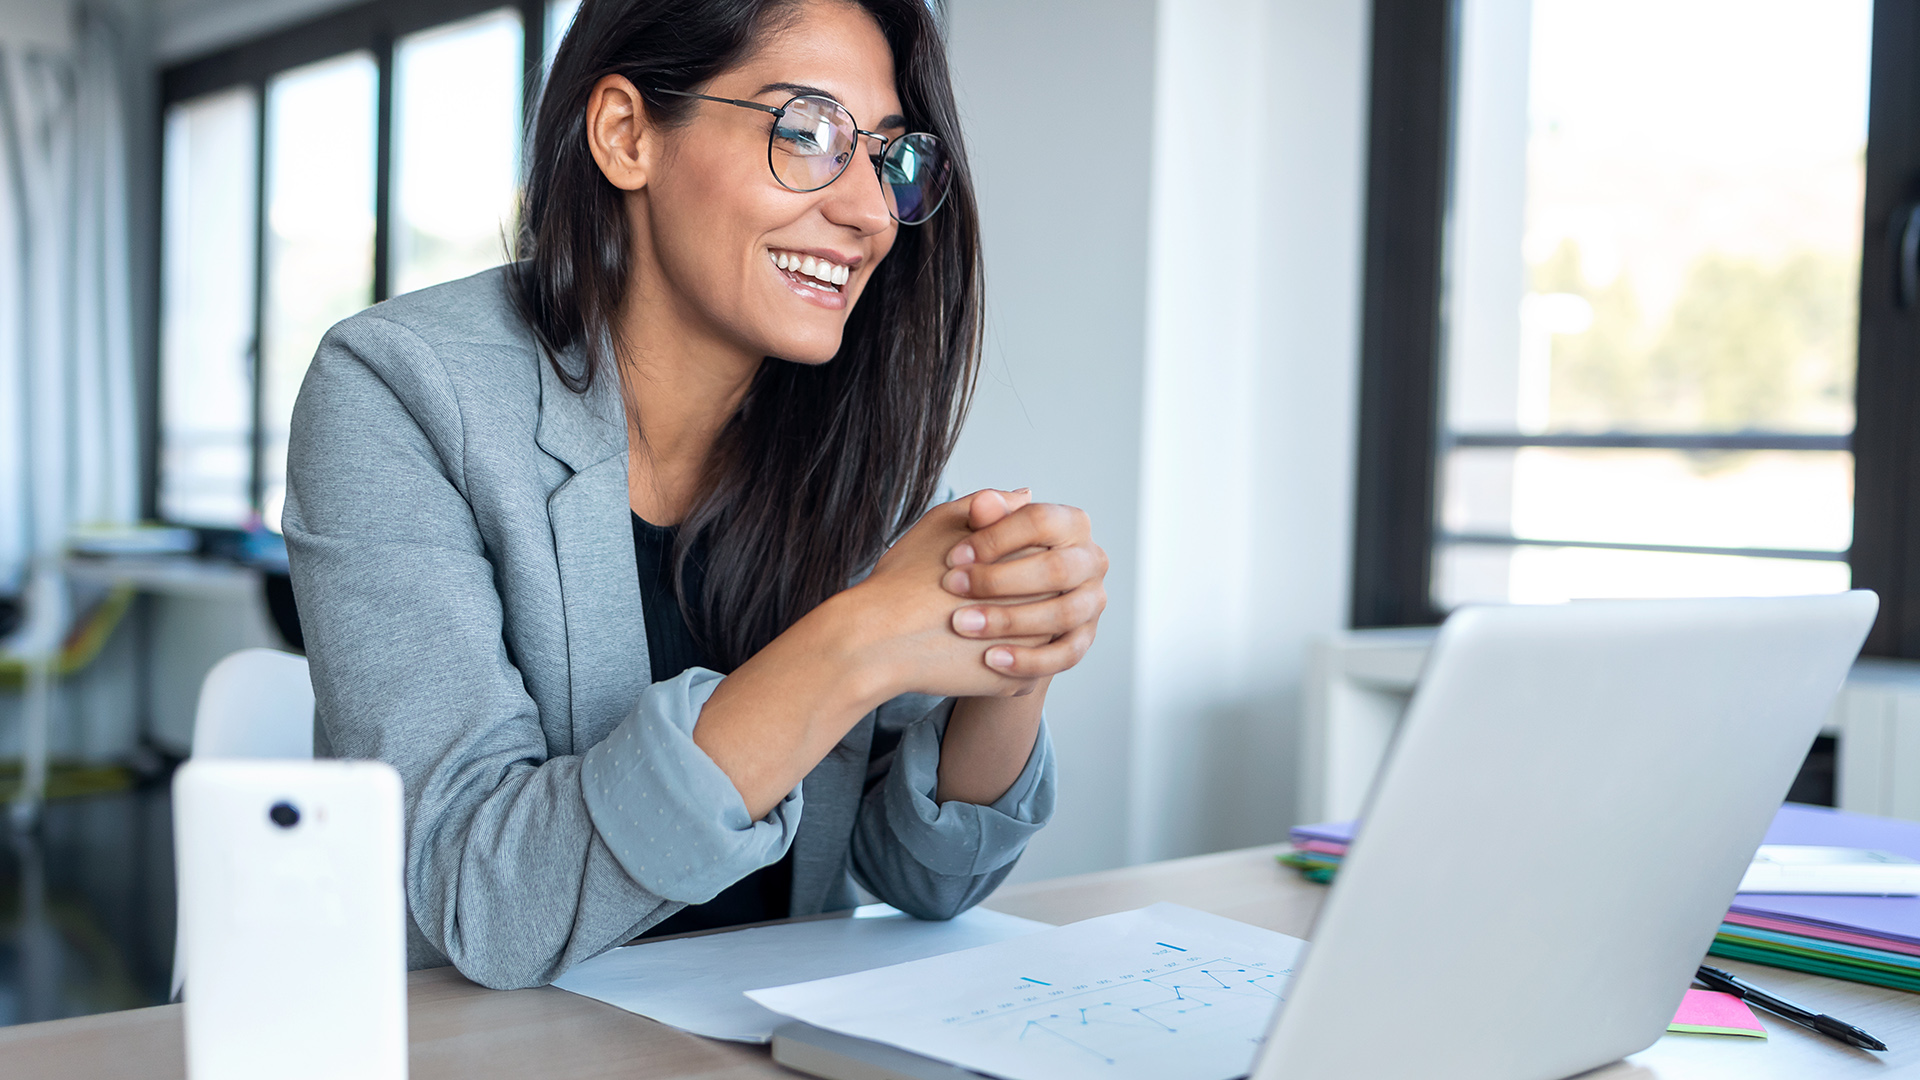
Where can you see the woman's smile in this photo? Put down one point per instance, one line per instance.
(817, 277)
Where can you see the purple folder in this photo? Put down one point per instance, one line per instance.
(1332, 832)
(1894, 917)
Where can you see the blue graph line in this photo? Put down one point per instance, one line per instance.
(1123, 1008)
(1031, 1024)
(1199, 986)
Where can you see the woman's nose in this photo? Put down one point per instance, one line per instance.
(857, 200)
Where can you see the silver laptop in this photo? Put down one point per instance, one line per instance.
(1567, 809)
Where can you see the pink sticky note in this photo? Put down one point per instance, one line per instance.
(1710, 1012)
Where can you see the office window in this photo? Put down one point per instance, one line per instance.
(309, 174)
(1651, 281)
(319, 234)
(560, 15)
(456, 124)
(206, 309)
(1639, 311)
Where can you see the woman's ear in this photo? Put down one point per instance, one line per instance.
(618, 133)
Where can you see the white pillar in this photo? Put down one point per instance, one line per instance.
(1172, 196)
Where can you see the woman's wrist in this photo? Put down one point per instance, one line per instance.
(986, 747)
(846, 634)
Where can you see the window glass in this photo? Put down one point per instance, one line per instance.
(206, 309)
(456, 148)
(1715, 499)
(319, 236)
(560, 15)
(1550, 575)
(1655, 228)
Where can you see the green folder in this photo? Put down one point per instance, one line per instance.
(1794, 961)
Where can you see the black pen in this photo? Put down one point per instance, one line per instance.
(1726, 983)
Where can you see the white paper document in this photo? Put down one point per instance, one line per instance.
(697, 984)
(1162, 993)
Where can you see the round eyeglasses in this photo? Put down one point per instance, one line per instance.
(814, 138)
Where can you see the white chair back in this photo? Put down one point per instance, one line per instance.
(256, 703)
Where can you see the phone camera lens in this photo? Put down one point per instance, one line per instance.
(284, 815)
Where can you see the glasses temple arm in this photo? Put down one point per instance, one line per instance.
(722, 100)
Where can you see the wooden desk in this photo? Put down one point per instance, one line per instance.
(460, 1030)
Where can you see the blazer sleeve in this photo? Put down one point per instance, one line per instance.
(935, 860)
(519, 863)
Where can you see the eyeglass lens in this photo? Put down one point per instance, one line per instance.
(914, 173)
(815, 138)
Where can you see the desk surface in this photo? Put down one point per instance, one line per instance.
(461, 1030)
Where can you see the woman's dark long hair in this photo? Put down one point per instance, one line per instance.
(823, 465)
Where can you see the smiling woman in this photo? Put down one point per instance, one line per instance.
(626, 553)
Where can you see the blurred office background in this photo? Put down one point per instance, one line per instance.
(1352, 311)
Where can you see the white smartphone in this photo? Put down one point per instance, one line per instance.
(291, 916)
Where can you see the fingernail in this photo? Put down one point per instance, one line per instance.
(962, 555)
(1023, 491)
(969, 620)
(1000, 658)
(959, 581)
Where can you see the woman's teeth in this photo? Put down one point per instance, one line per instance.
(808, 266)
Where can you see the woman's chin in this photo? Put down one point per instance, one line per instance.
(811, 352)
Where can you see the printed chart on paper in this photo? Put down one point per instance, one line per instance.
(1109, 1018)
(1165, 992)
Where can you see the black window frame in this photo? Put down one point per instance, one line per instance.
(1402, 439)
(372, 27)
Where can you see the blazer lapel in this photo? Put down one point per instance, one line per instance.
(607, 662)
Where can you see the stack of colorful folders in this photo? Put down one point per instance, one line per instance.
(1869, 939)
(1318, 849)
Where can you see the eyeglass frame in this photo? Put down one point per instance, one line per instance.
(858, 131)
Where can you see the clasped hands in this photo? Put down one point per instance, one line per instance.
(988, 595)
(984, 598)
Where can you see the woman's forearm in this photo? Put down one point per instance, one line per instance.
(772, 720)
(987, 744)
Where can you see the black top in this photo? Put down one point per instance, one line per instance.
(671, 649)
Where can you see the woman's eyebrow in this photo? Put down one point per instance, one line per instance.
(797, 89)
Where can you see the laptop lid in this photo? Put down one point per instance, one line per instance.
(1567, 809)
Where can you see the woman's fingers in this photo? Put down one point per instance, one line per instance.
(1027, 526)
(991, 505)
(1041, 618)
(1039, 661)
(1049, 571)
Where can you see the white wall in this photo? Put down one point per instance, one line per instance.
(1172, 196)
(1310, 377)
(1250, 429)
(1053, 94)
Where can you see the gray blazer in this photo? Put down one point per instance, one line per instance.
(457, 521)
